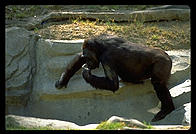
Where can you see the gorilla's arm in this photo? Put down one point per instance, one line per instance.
(110, 82)
(71, 69)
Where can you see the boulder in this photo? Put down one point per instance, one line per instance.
(13, 121)
(20, 64)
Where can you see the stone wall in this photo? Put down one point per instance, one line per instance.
(20, 65)
(34, 64)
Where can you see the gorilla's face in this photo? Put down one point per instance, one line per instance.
(91, 58)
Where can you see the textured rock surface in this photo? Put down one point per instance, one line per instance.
(30, 122)
(20, 64)
(79, 102)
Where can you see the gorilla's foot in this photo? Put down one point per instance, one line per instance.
(161, 114)
(59, 85)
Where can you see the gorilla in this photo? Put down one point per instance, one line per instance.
(129, 61)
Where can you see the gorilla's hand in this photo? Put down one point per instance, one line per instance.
(86, 72)
(61, 82)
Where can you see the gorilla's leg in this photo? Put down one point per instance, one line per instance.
(71, 69)
(160, 76)
(164, 96)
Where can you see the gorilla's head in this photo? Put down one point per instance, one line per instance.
(91, 53)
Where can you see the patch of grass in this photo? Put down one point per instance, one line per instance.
(111, 126)
(118, 125)
(149, 126)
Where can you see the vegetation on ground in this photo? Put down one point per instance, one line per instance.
(165, 35)
(110, 126)
(119, 125)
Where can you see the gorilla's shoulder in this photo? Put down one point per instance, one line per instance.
(109, 39)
